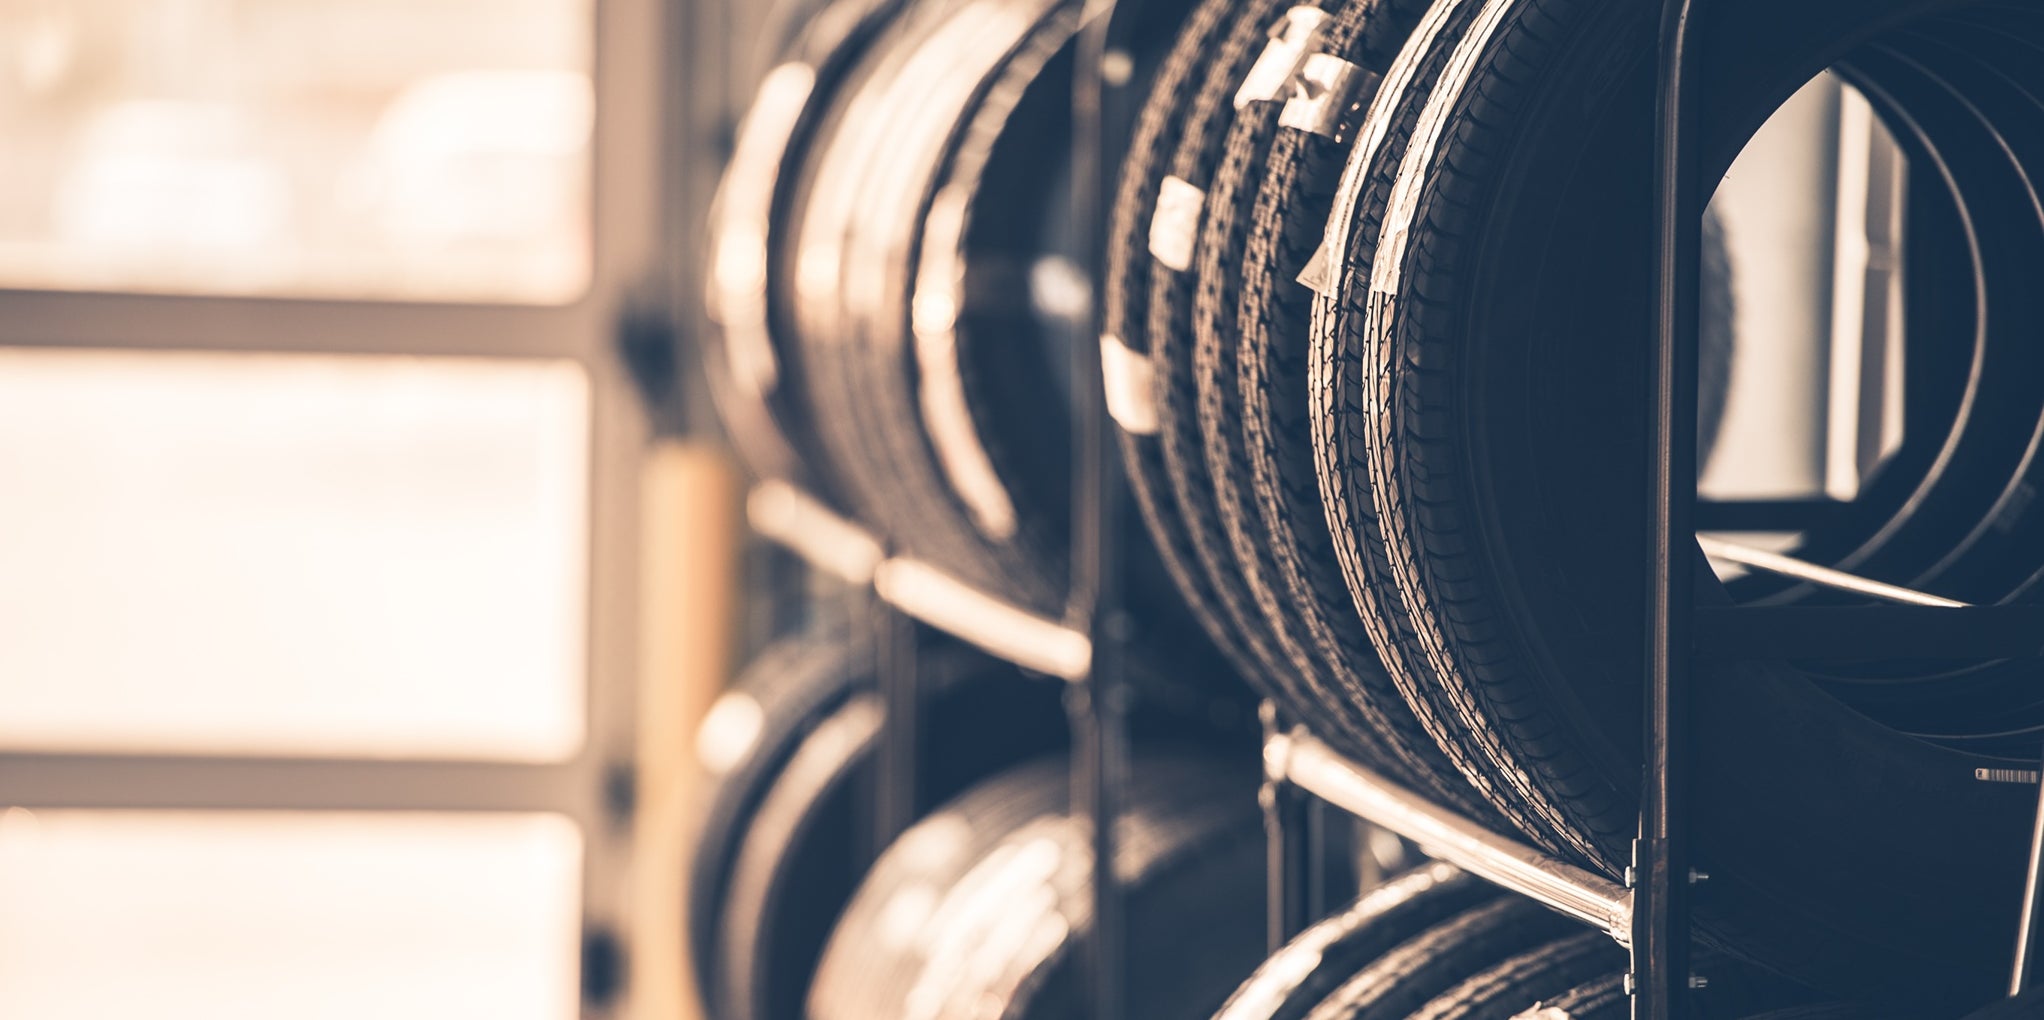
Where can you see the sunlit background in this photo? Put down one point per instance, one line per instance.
(433, 149)
(320, 564)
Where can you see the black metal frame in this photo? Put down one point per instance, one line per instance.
(1660, 868)
(1099, 699)
(1304, 778)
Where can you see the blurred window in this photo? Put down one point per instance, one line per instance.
(260, 916)
(292, 554)
(1812, 212)
(434, 150)
(316, 504)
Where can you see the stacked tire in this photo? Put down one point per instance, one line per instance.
(1373, 312)
(790, 755)
(896, 297)
(1394, 364)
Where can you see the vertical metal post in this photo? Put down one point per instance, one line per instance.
(2030, 929)
(1336, 870)
(900, 689)
(1293, 823)
(1098, 702)
(1100, 746)
(1660, 932)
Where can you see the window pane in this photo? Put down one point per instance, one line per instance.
(256, 553)
(174, 916)
(406, 149)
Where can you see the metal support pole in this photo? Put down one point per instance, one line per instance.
(900, 690)
(1660, 921)
(1340, 873)
(1100, 745)
(1293, 824)
(2030, 929)
(1099, 699)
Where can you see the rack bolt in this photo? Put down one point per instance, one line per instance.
(1630, 988)
(1630, 876)
(1698, 876)
(1698, 981)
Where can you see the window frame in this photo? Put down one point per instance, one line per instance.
(632, 255)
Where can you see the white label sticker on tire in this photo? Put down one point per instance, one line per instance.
(1174, 228)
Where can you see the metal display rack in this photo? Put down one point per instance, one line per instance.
(1649, 914)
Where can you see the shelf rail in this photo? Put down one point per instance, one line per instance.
(1299, 758)
(802, 524)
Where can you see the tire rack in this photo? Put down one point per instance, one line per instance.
(1649, 913)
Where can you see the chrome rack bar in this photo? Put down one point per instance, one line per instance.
(2030, 929)
(1802, 570)
(1021, 637)
(1299, 758)
(802, 524)
(1659, 914)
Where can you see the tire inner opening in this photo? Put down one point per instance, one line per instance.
(1870, 356)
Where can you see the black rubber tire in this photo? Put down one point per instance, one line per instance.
(1421, 969)
(978, 906)
(1008, 366)
(1316, 961)
(938, 81)
(745, 740)
(952, 428)
(1516, 985)
(955, 463)
(1269, 206)
(832, 173)
(1285, 552)
(1602, 998)
(773, 862)
(1345, 497)
(1208, 48)
(1010, 362)
(1211, 131)
(1734, 989)
(1206, 371)
(1011, 359)
(2027, 1006)
(1511, 533)
(752, 363)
